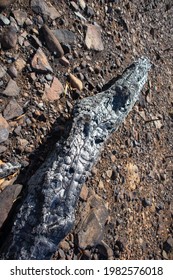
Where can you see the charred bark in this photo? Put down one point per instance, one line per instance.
(48, 212)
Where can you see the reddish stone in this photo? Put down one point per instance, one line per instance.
(54, 92)
(40, 63)
(93, 38)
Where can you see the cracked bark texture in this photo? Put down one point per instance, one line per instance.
(48, 211)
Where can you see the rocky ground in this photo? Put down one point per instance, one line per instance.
(53, 53)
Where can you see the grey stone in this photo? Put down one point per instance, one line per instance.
(20, 16)
(12, 89)
(4, 19)
(79, 15)
(65, 36)
(12, 71)
(2, 149)
(41, 7)
(49, 77)
(89, 11)
(74, 6)
(12, 110)
(2, 71)
(8, 168)
(92, 229)
(9, 38)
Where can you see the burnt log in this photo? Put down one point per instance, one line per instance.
(48, 211)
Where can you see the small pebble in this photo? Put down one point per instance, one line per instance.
(49, 77)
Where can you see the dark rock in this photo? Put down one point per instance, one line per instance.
(92, 228)
(86, 255)
(7, 198)
(89, 84)
(35, 41)
(52, 42)
(4, 129)
(12, 71)
(146, 202)
(120, 245)
(89, 11)
(105, 250)
(168, 245)
(65, 36)
(12, 110)
(66, 48)
(97, 69)
(164, 254)
(39, 7)
(9, 38)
